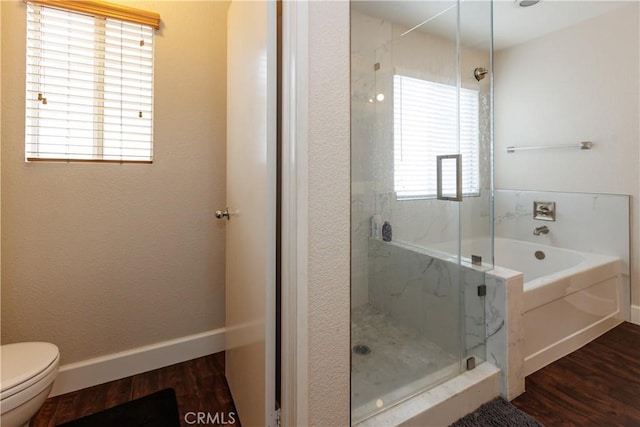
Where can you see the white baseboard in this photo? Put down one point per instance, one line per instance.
(79, 375)
(635, 314)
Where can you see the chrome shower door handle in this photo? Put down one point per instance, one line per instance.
(223, 214)
(457, 158)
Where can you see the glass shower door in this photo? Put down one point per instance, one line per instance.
(418, 198)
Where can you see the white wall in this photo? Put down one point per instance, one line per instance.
(99, 258)
(0, 152)
(328, 206)
(577, 84)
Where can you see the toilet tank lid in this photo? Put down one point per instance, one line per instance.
(22, 361)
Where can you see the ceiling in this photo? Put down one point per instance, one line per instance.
(512, 24)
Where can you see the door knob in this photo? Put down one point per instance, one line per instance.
(223, 214)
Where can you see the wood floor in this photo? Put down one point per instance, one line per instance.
(199, 384)
(595, 386)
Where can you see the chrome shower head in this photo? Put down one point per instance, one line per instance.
(479, 73)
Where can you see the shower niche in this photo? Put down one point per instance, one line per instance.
(421, 141)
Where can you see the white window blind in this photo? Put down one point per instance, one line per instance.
(89, 87)
(425, 126)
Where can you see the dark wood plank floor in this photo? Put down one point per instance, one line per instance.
(199, 384)
(595, 386)
(598, 385)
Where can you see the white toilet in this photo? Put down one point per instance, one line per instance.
(28, 370)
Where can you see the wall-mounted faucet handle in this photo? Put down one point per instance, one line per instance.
(543, 229)
(545, 211)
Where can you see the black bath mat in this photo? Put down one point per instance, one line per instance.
(497, 413)
(159, 409)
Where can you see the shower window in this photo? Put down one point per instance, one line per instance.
(425, 126)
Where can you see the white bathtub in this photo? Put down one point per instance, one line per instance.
(570, 298)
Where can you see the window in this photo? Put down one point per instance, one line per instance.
(89, 84)
(425, 126)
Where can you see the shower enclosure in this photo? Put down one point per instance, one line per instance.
(421, 195)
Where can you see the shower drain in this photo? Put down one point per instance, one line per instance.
(361, 349)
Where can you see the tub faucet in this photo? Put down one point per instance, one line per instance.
(541, 230)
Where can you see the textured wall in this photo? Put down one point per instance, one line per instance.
(0, 149)
(99, 258)
(329, 213)
(577, 84)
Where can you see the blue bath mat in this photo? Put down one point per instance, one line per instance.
(159, 409)
(497, 413)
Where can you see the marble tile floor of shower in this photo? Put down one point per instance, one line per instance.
(400, 362)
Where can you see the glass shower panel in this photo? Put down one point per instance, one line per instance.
(476, 215)
(411, 288)
(423, 72)
(476, 130)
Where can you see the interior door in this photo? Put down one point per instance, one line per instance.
(251, 202)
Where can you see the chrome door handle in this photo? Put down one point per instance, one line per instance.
(223, 214)
(457, 158)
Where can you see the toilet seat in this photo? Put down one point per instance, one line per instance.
(26, 370)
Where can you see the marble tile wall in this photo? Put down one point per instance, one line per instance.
(475, 327)
(423, 294)
(367, 33)
(505, 333)
(362, 202)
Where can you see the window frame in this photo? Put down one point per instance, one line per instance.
(113, 30)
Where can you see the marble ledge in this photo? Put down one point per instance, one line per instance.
(445, 403)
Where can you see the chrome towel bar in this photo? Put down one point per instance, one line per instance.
(584, 145)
